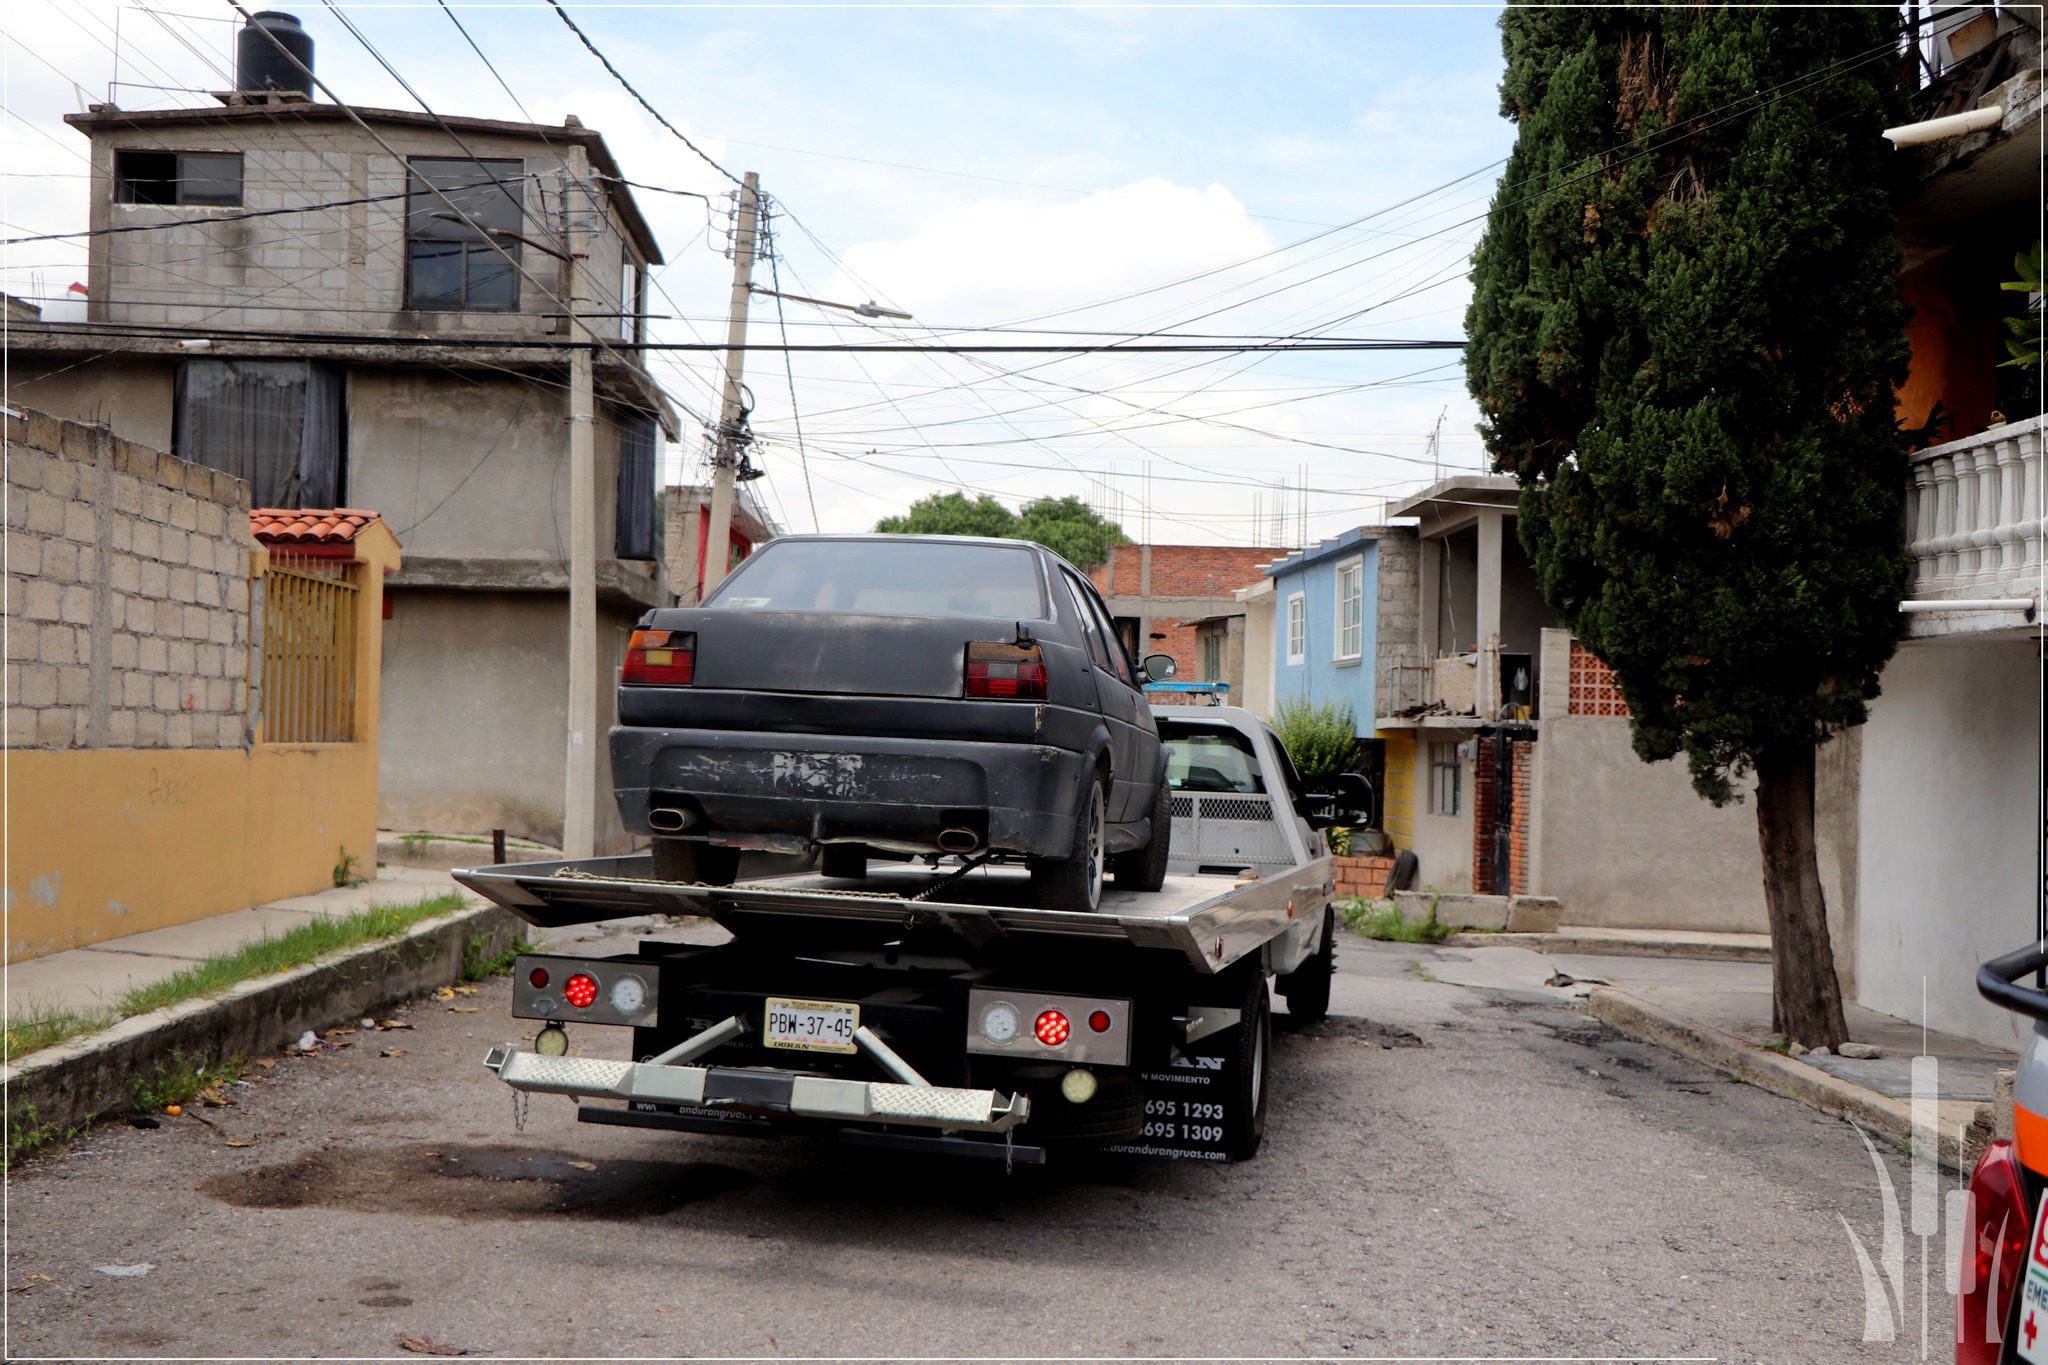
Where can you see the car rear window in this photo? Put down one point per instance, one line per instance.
(888, 578)
(1209, 759)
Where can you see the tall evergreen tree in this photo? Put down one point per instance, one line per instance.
(1685, 337)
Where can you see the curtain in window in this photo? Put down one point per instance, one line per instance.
(634, 534)
(277, 424)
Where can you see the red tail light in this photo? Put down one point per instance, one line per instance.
(1099, 1021)
(1052, 1028)
(660, 658)
(538, 978)
(580, 990)
(1995, 1256)
(1005, 671)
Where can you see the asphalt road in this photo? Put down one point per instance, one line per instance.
(1447, 1172)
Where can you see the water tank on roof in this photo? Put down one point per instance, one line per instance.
(259, 65)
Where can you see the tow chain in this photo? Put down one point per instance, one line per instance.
(950, 879)
(520, 1102)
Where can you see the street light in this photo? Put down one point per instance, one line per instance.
(870, 309)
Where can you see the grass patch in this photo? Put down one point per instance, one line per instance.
(264, 957)
(476, 966)
(27, 1133)
(1382, 920)
(178, 1080)
(417, 840)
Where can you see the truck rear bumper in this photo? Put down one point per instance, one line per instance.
(769, 1093)
(851, 787)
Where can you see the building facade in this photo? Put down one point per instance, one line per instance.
(370, 308)
(1182, 600)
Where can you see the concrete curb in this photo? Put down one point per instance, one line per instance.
(1877, 1114)
(89, 1077)
(1567, 942)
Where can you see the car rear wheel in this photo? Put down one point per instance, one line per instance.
(1144, 869)
(690, 860)
(1075, 881)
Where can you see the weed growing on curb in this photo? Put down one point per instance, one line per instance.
(1382, 920)
(264, 957)
(178, 1080)
(27, 1134)
(349, 870)
(475, 966)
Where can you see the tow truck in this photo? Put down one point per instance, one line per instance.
(929, 1006)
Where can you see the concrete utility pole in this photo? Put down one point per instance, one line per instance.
(731, 447)
(580, 790)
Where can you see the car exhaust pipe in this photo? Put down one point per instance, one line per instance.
(670, 819)
(959, 840)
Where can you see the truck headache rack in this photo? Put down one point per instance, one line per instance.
(761, 1092)
(1999, 981)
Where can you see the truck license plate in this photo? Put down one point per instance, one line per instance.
(811, 1025)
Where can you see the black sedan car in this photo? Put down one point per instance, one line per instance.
(895, 696)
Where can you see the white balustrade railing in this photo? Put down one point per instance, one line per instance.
(1974, 514)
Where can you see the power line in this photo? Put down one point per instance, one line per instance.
(681, 137)
(789, 372)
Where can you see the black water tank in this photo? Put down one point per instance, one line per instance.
(258, 63)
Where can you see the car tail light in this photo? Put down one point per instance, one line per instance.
(660, 658)
(1052, 1028)
(1993, 1258)
(580, 990)
(1099, 1021)
(1005, 671)
(538, 978)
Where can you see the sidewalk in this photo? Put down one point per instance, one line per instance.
(81, 1078)
(1719, 1013)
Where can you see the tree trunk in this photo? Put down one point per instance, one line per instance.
(1806, 997)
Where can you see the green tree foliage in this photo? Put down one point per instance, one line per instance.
(1321, 737)
(1071, 529)
(1685, 336)
(1066, 526)
(951, 514)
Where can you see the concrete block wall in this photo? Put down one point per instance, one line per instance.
(128, 597)
(1398, 635)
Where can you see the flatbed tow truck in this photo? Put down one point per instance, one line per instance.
(929, 1007)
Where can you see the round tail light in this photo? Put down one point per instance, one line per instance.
(1052, 1028)
(580, 990)
(1099, 1021)
(538, 978)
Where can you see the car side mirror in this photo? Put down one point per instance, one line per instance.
(1159, 668)
(1346, 799)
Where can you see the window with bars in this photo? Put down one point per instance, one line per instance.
(1446, 778)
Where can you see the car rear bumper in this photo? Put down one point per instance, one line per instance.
(1017, 797)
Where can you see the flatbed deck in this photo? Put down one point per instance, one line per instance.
(1212, 920)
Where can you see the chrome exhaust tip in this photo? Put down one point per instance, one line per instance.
(959, 840)
(669, 819)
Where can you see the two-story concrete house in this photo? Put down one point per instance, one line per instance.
(368, 308)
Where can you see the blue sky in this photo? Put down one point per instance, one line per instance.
(1063, 156)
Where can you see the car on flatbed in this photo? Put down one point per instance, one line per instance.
(870, 697)
(938, 1008)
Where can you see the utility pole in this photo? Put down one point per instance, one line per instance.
(731, 442)
(580, 791)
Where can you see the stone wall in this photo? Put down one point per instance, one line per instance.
(128, 594)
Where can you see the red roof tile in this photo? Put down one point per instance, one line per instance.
(306, 525)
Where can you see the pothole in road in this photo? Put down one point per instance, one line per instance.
(475, 1181)
(1352, 1029)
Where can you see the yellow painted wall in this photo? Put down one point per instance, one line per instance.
(108, 842)
(1397, 816)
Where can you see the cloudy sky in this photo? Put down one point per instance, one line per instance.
(1241, 171)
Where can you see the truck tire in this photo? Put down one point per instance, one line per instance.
(1307, 987)
(848, 862)
(690, 860)
(1250, 1051)
(1075, 881)
(1144, 869)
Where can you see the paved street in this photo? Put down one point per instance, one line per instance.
(1446, 1172)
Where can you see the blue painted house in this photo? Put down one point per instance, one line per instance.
(1324, 610)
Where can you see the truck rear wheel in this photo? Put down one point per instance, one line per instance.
(1144, 869)
(1075, 881)
(1245, 1125)
(690, 860)
(1307, 987)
